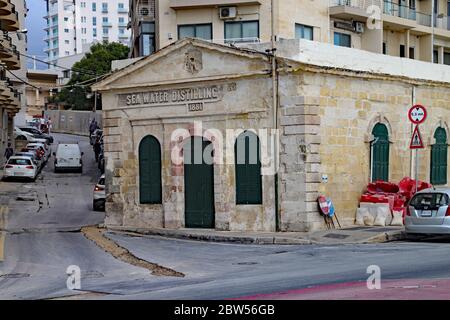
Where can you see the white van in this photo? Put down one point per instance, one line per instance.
(68, 157)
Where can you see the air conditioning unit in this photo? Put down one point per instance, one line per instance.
(144, 11)
(359, 27)
(227, 13)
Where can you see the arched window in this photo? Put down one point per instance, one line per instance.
(380, 153)
(439, 157)
(150, 171)
(248, 169)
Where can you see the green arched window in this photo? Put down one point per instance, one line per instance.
(248, 169)
(439, 158)
(380, 153)
(150, 171)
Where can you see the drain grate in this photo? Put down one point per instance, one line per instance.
(336, 236)
(245, 263)
(14, 275)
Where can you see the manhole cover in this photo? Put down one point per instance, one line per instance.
(336, 236)
(245, 263)
(14, 275)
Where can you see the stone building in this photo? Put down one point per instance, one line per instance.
(341, 122)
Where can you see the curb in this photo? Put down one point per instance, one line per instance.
(260, 240)
(387, 237)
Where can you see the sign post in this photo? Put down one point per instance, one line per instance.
(417, 115)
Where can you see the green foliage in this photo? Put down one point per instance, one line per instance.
(96, 63)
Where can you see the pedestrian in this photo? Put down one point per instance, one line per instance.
(93, 126)
(9, 151)
(97, 148)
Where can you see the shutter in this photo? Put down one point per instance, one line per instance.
(380, 149)
(439, 154)
(248, 174)
(150, 171)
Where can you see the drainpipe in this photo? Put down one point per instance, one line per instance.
(275, 110)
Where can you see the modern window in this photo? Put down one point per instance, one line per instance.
(121, 6)
(105, 19)
(402, 51)
(240, 31)
(304, 32)
(66, 41)
(147, 42)
(104, 7)
(384, 48)
(150, 171)
(66, 19)
(83, 30)
(83, 5)
(94, 32)
(66, 30)
(412, 53)
(121, 20)
(121, 31)
(202, 31)
(94, 21)
(67, 53)
(342, 39)
(435, 56)
(248, 169)
(94, 6)
(380, 153)
(439, 158)
(105, 31)
(447, 58)
(83, 19)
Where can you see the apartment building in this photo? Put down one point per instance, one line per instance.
(72, 24)
(12, 43)
(404, 28)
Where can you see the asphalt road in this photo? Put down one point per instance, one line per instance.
(43, 240)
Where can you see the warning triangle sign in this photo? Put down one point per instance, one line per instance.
(416, 140)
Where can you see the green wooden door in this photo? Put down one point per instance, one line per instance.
(150, 171)
(198, 184)
(380, 156)
(439, 158)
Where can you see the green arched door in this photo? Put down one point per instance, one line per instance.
(439, 158)
(380, 153)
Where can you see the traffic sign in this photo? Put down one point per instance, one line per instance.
(417, 114)
(416, 140)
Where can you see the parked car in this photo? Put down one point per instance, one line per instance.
(37, 133)
(428, 212)
(20, 167)
(37, 153)
(68, 157)
(32, 155)
(99, 195)
(45, 150)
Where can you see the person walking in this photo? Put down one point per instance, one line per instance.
(9, 151)
(93, 126)
(97, 148)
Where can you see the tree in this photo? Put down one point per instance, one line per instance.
(96, 63)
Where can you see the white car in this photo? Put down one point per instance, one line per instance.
(20, 167)
(68, 157)
(99, 194)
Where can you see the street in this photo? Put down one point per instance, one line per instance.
(43, 237)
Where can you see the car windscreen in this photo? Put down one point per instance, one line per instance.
(429, 201)
(20, 162)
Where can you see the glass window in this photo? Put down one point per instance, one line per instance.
(121, 5)
(202, 31)
(104, 6)
(435, 56)
(242, 31)
(94, 6)
(105, 30)
(105, 19)
(147, 39)
(342, 39)
(303, 32)
(94, 21)
(447, 58)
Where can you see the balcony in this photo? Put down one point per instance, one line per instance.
(352, 9)
(122, 10)
(107, 24)
(185, 4)
(410, 16)
(123, 24)
(442, 22)
(13, 62)
(9, 19)
(6, 45)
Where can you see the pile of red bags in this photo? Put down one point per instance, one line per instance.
(396, 195)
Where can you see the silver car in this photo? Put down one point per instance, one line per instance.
(428, 212)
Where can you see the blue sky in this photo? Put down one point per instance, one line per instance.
(35, 24)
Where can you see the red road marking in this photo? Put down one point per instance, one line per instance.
(409, 289)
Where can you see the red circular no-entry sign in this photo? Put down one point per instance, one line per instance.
(417, 114)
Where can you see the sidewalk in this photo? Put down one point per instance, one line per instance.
(350, 235)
